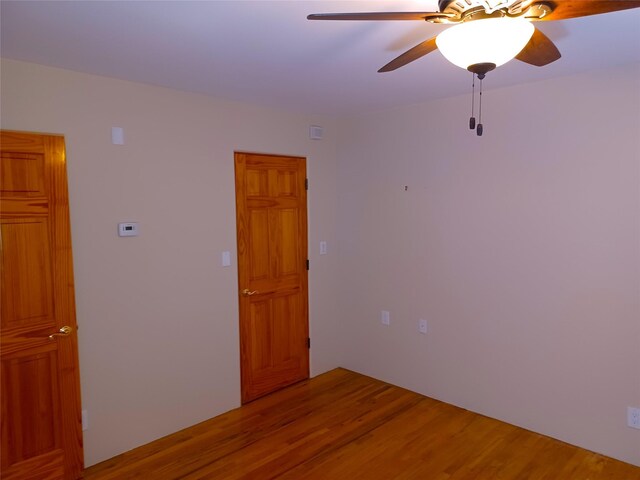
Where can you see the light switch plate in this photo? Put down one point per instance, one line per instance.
(117, 136)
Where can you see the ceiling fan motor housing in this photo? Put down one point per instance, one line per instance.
(460, 7)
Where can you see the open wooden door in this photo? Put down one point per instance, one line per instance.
(271, 210)
(40, 407)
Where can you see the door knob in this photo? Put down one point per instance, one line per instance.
(63, 332)
(248, 293)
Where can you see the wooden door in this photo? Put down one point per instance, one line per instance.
(271, 210)
(40, 405)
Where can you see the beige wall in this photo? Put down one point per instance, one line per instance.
(520, 248)
(157, 313)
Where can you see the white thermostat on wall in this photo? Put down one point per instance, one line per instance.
(129, 229)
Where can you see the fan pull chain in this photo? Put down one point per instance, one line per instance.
(472, 120)
(479, 129)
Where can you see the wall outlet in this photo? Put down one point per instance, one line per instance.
(422, 326)
(385, 318)
(633, 417)
(85, 420)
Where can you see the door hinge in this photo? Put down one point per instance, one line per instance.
(308, 342)
(306, 184)
(307, 264)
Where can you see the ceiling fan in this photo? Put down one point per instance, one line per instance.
(535, 47)
(488, 33)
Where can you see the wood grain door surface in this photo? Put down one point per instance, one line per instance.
(40, 397)
(271, 210)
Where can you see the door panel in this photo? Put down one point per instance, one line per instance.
(35, 425)
(258, 245)
(26, 267)
(286, 243)
(41, 432)
(22, 174)
(272, 250)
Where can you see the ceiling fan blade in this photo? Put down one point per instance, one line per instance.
(540, 50)
(564, 9)
(379, 16)
(409, 56)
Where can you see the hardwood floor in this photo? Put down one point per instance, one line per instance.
(342, 425)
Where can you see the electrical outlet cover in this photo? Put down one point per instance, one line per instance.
(633, 417)
(422, 326)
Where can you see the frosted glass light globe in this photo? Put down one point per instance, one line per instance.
(490, 40)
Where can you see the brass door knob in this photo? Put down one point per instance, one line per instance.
(248, 293)
(63, 332)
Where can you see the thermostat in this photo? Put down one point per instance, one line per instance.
(129, 229)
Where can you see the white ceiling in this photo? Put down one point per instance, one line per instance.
(266, 52)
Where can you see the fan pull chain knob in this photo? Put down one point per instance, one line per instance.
(472, 120)
(479, 130)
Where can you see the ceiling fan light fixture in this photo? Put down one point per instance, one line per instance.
(486, 41)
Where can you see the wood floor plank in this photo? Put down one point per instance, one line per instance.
(342, 425)
(208, 441)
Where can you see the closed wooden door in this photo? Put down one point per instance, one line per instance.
(40, 407)
(271, 209)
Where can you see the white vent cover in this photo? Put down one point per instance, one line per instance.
(315, 132)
